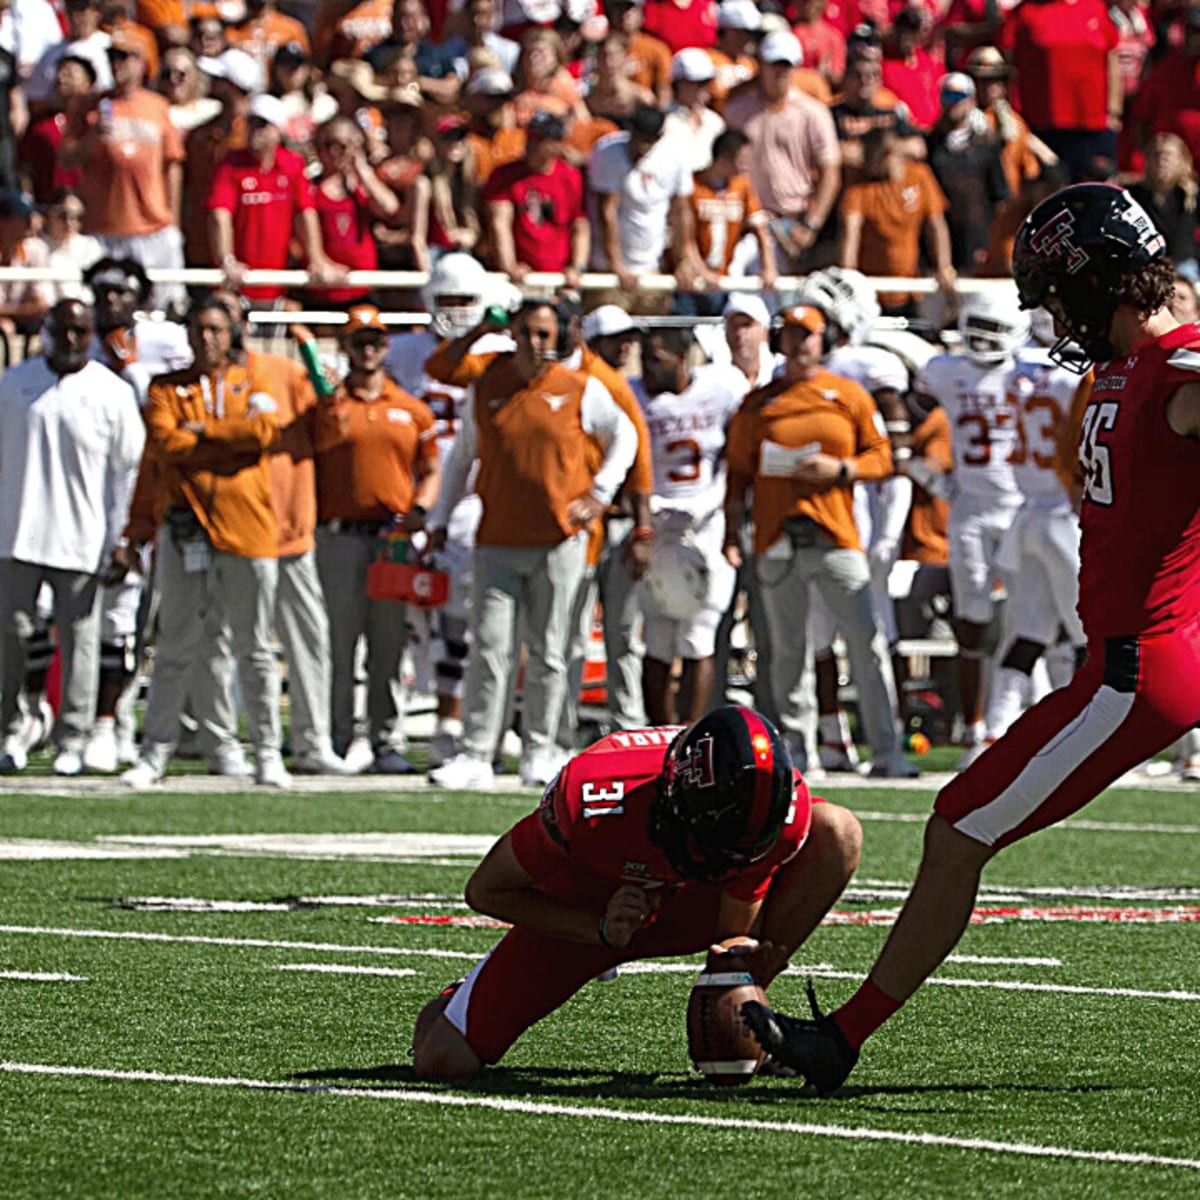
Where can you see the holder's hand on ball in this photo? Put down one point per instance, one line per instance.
(764, 960)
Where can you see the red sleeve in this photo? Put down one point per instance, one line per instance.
(538, 840)
(221, 192)
(303, 190)
(1111, 37)
(497, 186)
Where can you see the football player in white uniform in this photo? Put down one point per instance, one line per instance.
(985, 427)
(456, 295)
(848, 302)
(1040, 554)
(690, 583)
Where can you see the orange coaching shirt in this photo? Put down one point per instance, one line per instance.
(828, 409)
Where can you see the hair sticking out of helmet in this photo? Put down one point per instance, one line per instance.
(993, 326)
(726, 790)
(1077, 249)
(456, 294)
(845, 296)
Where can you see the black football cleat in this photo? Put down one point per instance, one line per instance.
(816, 1049)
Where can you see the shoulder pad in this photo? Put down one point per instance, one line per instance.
(1186, 358)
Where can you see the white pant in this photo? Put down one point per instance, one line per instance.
(976, 529)
(1040, 554)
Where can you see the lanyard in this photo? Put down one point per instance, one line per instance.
(216, 409)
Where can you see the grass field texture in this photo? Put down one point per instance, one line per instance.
(258, 1046)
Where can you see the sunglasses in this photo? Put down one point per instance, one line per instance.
(176, 73)
(67, 214)
(362, 341)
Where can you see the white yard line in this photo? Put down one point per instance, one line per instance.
(846, 1133)
(340, 969)
(41, 977)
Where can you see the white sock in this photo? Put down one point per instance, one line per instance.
(1009, 699)
(451, 726)
(975, 733)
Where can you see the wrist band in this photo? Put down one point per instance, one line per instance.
(602, 932)
(898, 427)
(843, 472)
(643, 533)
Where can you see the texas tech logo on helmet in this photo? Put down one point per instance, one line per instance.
(696, 770)
(1056, 239)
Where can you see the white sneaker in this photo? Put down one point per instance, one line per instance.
(323, 763)
(392, 762)
(539, 767)
(359, 756)
(230, 763)
(142, 776)
(100, 754)
(269, 770)
(839, 758)
(68, 762)
(443, 747)
(14, 758)
(127, 750)
(1190, 771)
(464, 774)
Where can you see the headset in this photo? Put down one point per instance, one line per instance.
(568, 312)
(780, 321)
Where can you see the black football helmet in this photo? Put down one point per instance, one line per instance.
(726, 789)
(1076, 247)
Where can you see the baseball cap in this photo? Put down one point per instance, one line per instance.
(546, 126)
(491, 81)
(739, 14)
(692, 65)
(269, 109)
(15, 203)
(955, 87)
(804, 316)
(450, 123)
(781, 47)
(121, 43)
(746, 304)
(986, 62)
(360, 317)
(236, 67)
(608, 320)
(292, 52)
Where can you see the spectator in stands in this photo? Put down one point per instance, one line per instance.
(257, 198)
(70, 442)
(209, 427)
(347, 29)
(349, 196)
(83, 39)
(543, 82)
(530, 551)
(964, 155)
(1065, 55)
(1135, 41)
(535, 208)
(132, 160)
(1169, 99)
(404, 238)
(119, 21)
(804, 530)
(612, 93)
(796, 164)
(22, 305)
(726, 208)
(648, 59)
(69, 248)
(439, 73)
(184, 87)
(691, 123)
(233, 78)
(1185, 304)
(481, 35)
(967, 24)
(738, 26)
(909, 71)
(264, 31)
(454, 216)
(377, 468)
(884, 215)
(1021, 154)
(681, 23)
(74, 78)
(865, 105)
(305, 100)
(642, 187)
(207, 38)
(27, 31)
(823, 43)
(1168, 194)
(492, 129)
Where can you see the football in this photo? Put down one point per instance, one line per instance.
(722, 1049)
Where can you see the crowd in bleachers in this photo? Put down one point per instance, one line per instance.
(520, 136)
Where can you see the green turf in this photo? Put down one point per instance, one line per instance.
(1099, 1073)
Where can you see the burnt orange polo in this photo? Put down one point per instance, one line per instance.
(829, 410)
(222, 473)
(369, 453)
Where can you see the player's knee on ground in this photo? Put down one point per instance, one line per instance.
(439, 1050)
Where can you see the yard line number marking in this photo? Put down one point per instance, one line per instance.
(635, 1116)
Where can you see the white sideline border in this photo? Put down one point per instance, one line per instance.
(634, 1116)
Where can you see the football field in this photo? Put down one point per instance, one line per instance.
(207, 993)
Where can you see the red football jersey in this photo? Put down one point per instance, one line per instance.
(264, 204)
(591, 832)
(1140, 551)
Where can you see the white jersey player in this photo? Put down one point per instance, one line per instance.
(456, 296)
(690, 583)
(1040, 553)
(985, 427)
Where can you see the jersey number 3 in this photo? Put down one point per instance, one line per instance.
(1094, 456)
